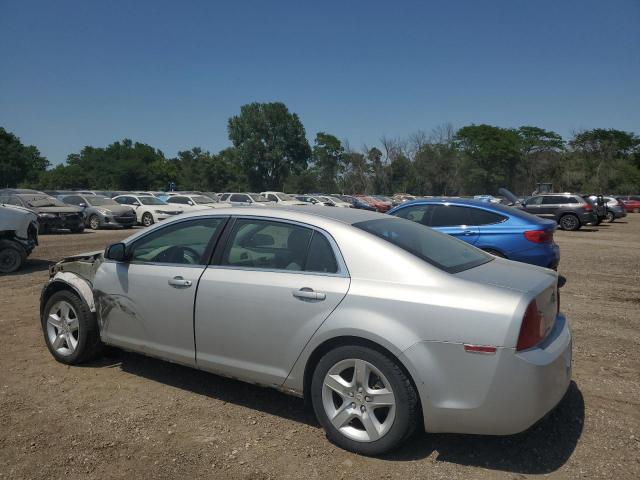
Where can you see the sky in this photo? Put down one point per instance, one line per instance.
(171, 73)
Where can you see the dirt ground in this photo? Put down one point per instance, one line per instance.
(127, 416)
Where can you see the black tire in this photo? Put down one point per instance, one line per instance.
(407, 411)
(12, 256)
(569, 221)
(94, 222)
(89, 344)
(78, 229)
(494, 252)
(610, 217)
(147, 219)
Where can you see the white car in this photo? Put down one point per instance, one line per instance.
(149, 210)
(320, 201)
(253, 199)
(281, 198)
(192, 203)
(338, 202)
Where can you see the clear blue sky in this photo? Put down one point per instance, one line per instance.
(170, 74)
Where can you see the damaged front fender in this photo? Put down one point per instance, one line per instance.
(76, 273)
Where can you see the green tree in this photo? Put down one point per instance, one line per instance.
(19, 164)
(328, 161)
(490, 157)
(270, 143)
(541, 152)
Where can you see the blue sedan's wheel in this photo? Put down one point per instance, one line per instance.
(364, 400)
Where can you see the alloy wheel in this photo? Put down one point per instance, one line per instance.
(63, 328)
(569, 222)
(358, 400)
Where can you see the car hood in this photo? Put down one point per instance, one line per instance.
(68, 209)
(508, 195)
(511, 275)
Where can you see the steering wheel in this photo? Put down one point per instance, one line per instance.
(190, 255)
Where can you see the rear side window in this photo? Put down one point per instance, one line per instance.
(570, 200)
(267, 244)
(415, 213)
(320, 257)
(484, 217)
(449, 216)
(239, 198)
(443, 251)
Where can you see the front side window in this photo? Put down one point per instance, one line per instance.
(443, 251)
(449, 216)
(151, 201)
(549, 200)
(534, 201)
(182, 243)
(267, 244)
(201, 200)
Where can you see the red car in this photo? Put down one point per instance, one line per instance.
(379, 205)
(631, 203)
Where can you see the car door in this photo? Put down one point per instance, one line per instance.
(454, 220)
(550, 203)
(533, 205)
(270, 287)
(146, 303)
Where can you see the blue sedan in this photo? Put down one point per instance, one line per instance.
(503, 231)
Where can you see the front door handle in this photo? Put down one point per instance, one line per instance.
(179, 282)
(308, 294)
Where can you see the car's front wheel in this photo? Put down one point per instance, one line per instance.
(12, 256)
(364, 400)
(610, 218)
(94, 222)
(70, 329)
(147, 219)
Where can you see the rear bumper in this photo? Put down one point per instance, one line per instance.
(545, 255)
(499, 394)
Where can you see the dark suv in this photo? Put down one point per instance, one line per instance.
(571, 211)
(51, 212)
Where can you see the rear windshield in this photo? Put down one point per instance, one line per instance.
(438, 249)
(151, 201)
(98, 200)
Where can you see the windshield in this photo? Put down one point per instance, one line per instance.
(258, 198)
(45, 201)
(285, 197)
(201, 200)
(151, 201)
(325, 199)
(98, 201)
(438, 249)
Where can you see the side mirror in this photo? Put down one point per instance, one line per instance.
(136, 204)
(82, 204)
(190, 203)
(116, 252)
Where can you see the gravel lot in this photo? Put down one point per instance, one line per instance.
(134, 417)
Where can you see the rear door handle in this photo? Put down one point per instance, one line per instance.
(179, 282)
(308, 294)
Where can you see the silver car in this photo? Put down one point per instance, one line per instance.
(382, 324)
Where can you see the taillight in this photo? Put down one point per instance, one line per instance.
(539, 236)
(532, 328)
(588, 207)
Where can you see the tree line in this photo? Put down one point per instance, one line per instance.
(270, 151)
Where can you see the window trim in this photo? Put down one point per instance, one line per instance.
(216, 258)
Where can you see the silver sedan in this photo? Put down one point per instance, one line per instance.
(382, 324)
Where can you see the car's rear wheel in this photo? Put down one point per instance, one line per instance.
(94, 222)
(364, 400)
(569, 222)
(610, 217)
(12, 256)
(147, 219)
(494, 252)
(70, 329)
